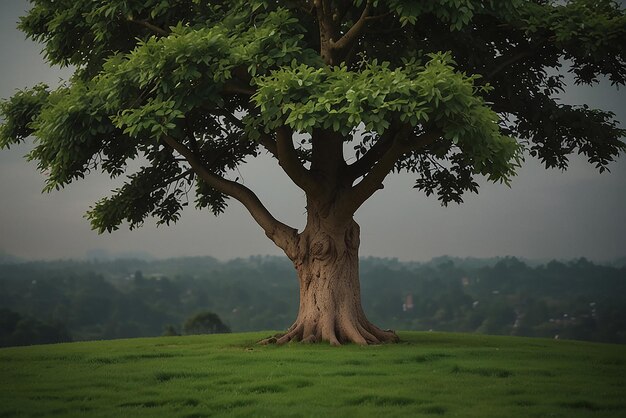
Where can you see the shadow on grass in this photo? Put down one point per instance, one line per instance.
(261, 389)
(423, 358)
(380, 400)
(590, 406)
(129, 358)
(483, 371)
(159, 403)
(163, 377)
(434, 410)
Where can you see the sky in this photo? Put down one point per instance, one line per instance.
(545, 214)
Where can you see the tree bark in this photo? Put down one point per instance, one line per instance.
(330, 310)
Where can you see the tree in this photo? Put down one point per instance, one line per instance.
(447, 90)
(170, 331)
(205, 323)
(17, 330)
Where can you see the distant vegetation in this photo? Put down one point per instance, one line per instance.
(61, 300)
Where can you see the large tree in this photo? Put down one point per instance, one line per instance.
(340, 93)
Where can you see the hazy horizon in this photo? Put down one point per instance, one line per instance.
(107, 256)
(546, 214)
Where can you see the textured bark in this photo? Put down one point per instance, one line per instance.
(330, 297)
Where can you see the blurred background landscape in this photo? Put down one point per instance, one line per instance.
(104, 297)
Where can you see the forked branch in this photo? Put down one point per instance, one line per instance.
(269, 144)
(150, 26)
(403, 142)
(344, 46)
(347, 40)
(290, 163)
(361, 166)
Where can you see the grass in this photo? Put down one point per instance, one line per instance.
(427, 375)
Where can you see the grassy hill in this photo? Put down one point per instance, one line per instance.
(427, 375)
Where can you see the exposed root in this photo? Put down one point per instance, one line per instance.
(385, 336)
(362, 333)
(369, 337)
(293, 335)
(327, 264)
(266, 341)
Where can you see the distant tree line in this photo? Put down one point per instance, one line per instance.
(43, 302)
(16, 329)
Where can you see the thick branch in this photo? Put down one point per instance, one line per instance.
(507, 62)
(238, 88)
(374, 179)
(327, 161)
(192, 136)
(290, 163)
(180, 176)
(227, 115)
(328, 31)
(361, 166)
(269, 144)
(150, 26)
(326, 7)
(347, 40)
(523, 53)
(343, 47)
(342, 9)
(416, 143)
(283, 235)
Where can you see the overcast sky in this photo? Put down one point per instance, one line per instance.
(545, 214)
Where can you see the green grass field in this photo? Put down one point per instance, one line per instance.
(428, 374)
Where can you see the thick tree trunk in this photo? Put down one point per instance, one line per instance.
(330, 298)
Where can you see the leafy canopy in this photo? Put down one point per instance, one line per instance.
(444, 89)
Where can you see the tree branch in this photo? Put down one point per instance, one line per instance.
(374, 179)
(281, 234)
(192, 136)
(378, 17)
(347, 40)
(342, 9)
(361, 166)
(326, 6)
(269, 144)
(421, 141)
(328, 30)
(227, 115)
(150, 26)
(327, 161)
(236, 88)
(525, 52)
(290, 163)
(512, 60)
(180, 176)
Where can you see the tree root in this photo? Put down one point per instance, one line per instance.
(362, 333)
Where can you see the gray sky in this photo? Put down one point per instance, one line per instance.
(545, 214)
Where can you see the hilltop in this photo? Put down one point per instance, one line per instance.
(428, 374)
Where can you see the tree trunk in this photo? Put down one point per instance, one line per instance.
(330, 310)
